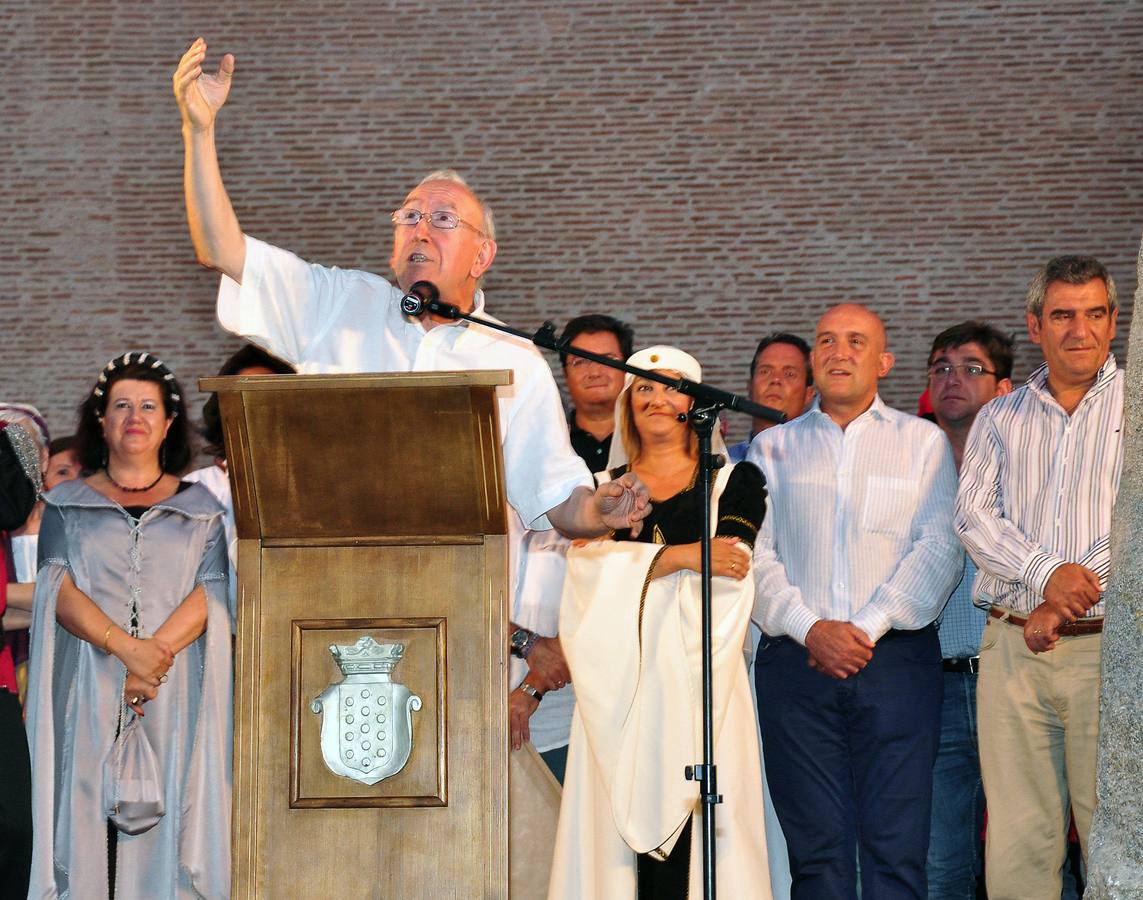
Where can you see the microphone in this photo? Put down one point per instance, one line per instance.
(681, 417)
(423, 296)
(419, 297)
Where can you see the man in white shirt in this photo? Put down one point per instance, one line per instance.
(1038, 485)
(853, 562)
(333, 320)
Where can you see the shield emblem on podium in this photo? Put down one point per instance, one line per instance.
(367, 718)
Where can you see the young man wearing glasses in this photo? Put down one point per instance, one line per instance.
(970, 364)
(336, 320)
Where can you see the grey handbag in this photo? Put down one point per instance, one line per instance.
(132, 788)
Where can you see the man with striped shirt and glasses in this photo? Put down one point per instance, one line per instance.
(1038, 483)
(970, 364)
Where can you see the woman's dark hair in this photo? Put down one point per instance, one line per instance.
(248, 357)
(175, 451)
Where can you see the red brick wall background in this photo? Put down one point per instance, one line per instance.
(708, 170)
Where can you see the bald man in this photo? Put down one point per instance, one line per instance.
(852, 565)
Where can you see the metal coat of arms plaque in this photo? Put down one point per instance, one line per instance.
(367, 718)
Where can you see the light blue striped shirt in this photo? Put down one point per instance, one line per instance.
(961, 625)
(859, 523)
(1038, 487)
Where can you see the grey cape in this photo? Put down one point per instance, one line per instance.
(75, 692)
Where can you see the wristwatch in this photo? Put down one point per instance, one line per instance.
(531, 691)
(522, 641)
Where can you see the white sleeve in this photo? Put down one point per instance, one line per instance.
(992, 539)
(541, 469)
(283, 303)
(779, 607)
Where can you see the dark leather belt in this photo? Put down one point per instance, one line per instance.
(968, 664)
(1076, 629)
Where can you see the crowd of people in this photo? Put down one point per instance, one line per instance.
(918, 595)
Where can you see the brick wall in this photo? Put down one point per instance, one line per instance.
(709, 171)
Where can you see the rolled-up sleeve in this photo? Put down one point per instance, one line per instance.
(283, 304)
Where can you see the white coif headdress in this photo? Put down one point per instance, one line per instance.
(663, 357)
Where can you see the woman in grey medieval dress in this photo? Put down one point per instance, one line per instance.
(130, 619)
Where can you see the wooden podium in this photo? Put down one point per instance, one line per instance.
(369, 507)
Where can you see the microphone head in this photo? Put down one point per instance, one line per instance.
(419, 295)
(681, 417)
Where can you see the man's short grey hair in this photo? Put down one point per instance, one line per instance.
(1069, 270)
(488, 226)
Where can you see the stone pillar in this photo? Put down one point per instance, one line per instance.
(1116, 846)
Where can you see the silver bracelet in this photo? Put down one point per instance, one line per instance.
(531, 691)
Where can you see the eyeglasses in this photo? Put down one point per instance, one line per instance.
(580, 364)
(440, 218)
(939, 373)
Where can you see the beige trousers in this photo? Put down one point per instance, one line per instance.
(1039, 721)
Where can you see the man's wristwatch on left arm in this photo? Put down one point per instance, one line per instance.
(522, 642)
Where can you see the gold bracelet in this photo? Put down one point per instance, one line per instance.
(107, 639)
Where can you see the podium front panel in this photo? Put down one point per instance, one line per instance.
(436, 828)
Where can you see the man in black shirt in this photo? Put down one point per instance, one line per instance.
(593, 387)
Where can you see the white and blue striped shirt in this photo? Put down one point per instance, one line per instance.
(960, 625)
(859, 523)
(1038, 487)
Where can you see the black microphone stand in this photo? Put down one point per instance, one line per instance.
(708, 401)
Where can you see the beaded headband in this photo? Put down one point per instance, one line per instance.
(141, 358)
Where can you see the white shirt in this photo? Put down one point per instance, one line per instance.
(24, 549)
(343, 320)
(1038, 487)
(217, 481)
(859, 523)
(536, 606)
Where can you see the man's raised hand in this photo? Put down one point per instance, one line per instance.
(201, 96)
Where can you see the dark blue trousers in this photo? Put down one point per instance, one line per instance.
(850, 764)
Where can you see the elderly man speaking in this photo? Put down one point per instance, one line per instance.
(336, 320)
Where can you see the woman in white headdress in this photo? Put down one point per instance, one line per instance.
(630, 624)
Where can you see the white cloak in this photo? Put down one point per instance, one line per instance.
(634, 648)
